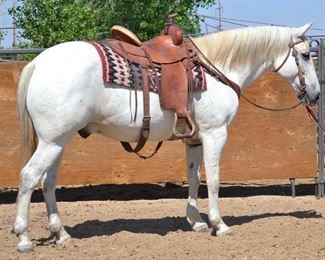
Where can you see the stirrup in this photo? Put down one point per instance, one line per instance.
(191, 125)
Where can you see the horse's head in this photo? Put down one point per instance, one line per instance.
(297, 67)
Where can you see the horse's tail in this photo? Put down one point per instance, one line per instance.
(27, 131)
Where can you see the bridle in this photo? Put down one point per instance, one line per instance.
(301, 73)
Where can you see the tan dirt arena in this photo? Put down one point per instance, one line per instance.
(106, 224)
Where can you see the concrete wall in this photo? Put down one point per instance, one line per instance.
(261, 145)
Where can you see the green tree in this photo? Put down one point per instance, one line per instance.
(49, 22)
(147, 18)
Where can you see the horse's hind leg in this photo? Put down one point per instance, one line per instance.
(49, 185)
(194, 159)
(42, 160)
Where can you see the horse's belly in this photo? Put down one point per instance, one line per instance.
(122, 123)
(122, 119)
(158, 131)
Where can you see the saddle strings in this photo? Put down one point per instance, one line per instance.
(135, 87)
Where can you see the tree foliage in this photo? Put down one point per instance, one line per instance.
(148, 17)
(45, 23)
(49, 22)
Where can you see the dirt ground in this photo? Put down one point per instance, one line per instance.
(148, 222)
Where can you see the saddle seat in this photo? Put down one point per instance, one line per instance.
(125, 35)
(169, 47)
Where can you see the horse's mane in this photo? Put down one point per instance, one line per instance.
(229, 49)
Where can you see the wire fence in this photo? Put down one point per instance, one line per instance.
(242, 23)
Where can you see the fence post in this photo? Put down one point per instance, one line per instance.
(320, 179)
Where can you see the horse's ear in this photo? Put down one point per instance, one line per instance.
(302, 30)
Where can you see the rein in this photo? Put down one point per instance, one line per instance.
(302, 87)
(313, 116)
(301, 73)
(271, 109)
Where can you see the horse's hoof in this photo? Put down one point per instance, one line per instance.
(201, 227)
(214, 232)
(225, 232)
(25, 247)
(63, 239)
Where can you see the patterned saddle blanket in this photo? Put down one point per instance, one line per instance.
(127, 74)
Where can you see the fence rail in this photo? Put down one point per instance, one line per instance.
(21, 51)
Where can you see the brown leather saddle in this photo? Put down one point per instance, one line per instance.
(174, 60)
(174, 56)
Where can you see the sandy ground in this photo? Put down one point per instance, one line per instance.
(103, 227)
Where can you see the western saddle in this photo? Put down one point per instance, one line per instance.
(175, 56)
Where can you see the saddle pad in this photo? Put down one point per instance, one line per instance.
(124, 73)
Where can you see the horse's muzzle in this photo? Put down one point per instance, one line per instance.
(310, 101)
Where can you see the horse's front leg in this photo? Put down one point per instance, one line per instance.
(213, 142)
(49, 185)
(194, 156)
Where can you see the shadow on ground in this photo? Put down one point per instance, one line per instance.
(164, 225)
(156, 191)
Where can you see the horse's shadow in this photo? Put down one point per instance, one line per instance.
(106, 228)
(165, 225)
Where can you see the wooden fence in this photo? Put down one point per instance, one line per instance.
(261, 145)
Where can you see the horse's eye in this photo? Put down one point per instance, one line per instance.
(305, 56)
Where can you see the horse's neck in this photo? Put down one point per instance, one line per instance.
(244, 54)
(246, 74)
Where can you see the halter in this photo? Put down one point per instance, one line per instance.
(301, 73)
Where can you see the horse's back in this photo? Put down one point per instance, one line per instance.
(74, 55)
